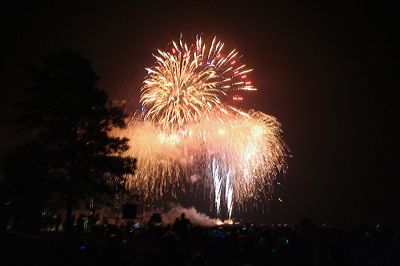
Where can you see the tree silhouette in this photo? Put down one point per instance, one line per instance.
(71, 120)
(24, 187)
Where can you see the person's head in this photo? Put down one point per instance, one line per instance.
(182, 215)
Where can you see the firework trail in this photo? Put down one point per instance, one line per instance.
(189, 129)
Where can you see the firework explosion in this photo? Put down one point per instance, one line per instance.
(188, 129)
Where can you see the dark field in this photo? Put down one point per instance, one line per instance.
(306, 244)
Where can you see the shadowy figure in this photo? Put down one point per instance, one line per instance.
(80, 224)
(155, 224)
(182, 225)
(171, 246)
(155, 220)
(92, 219)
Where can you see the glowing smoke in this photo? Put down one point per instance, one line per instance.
(196, 218)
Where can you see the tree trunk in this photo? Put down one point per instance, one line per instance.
(67, 244)
(68, 219)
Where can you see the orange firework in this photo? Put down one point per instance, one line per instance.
(186, 124)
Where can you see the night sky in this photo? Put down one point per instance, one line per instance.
(327, 72)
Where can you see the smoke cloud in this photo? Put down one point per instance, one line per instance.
(191, 213)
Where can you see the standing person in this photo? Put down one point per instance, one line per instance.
(182, 225)
(80, 224)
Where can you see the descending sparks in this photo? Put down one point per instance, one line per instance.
(189, 130)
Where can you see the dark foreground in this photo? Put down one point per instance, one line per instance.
(306, 244)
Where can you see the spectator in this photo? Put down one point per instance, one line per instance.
(182, 225)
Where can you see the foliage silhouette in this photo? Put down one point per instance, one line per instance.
(71, 153)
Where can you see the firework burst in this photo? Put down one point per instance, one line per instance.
(188, 129)
(187, 83)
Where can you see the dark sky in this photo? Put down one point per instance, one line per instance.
(327, 72)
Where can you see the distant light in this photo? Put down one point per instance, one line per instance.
(233, 62)
(173, 50)
(280, 199)
(248, 82)
(237, 98)
(243, 76)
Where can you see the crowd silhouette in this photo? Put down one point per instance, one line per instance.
(183, 243)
